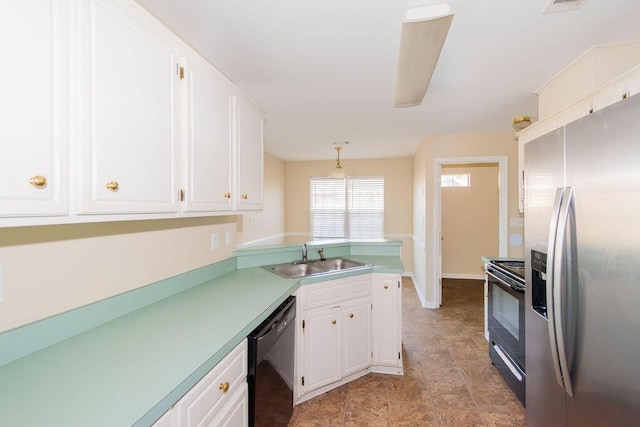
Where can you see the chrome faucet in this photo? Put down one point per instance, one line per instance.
(304, 252)
(321, 253)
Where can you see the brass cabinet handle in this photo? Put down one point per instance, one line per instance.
(244, 196)
(224, 386)
(113, 186)
(386, 286)
(227, 195)
(38, 181)
(333, 322)
(351, 316)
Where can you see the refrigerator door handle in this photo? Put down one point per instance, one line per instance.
(562, 287)
(551, 253)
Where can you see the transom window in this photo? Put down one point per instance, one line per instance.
(455, 180)
(347, 208)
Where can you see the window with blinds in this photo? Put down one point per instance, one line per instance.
(347, 208)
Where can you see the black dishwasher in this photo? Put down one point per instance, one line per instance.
(270, 398)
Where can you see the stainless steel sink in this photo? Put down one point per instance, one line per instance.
(293, 270)
(337, 264)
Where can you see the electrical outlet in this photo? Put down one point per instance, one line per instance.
(228, 238)
(214, 241)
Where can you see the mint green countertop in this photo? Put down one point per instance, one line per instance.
(130, 370)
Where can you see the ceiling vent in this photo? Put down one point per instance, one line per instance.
(563, 5)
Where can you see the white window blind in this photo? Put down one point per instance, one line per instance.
(347, 208)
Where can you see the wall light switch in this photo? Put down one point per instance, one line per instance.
(1, 285)
(214, 241)
(228, 238)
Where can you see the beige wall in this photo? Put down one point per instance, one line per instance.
(267, 226)
(453, 146)
(398, 197)
(469, 220)
(51, 269)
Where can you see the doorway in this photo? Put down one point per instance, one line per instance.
(443, 163)
(469, 195)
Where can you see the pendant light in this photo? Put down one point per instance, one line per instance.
(337, 172)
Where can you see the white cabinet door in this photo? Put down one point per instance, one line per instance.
(209, 139)
(235, 412)
(356, 317)
(250, 155)
(387, 307)
(322, 347)
(33, 113)
(128, 102)
(165, 420)
(215, 392)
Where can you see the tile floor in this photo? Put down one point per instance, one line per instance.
(448, 381)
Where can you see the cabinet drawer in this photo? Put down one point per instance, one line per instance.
(202, 402)
(335, 291)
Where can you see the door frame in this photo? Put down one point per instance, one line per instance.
(503, 211)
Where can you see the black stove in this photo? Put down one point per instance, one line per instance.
(515, 267)
(511, 273)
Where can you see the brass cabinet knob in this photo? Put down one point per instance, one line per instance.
(351, 316)
(38, 181)
(227, 195)
(386, 286)
(244, 196)
(224, 386)
(333, 322)
(113, 186)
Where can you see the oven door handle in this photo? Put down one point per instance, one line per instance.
(564, 281)
(505, 286)
(551, 274)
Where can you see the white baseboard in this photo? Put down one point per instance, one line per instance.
(421, 297)
(462, 276)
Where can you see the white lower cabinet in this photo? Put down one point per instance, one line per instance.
(387, 315)
(345, 330)
(322, 337)
(221, 398)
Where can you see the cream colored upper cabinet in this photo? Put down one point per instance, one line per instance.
(128, 113)
(249, 155)
(209, 138)
(33, 112)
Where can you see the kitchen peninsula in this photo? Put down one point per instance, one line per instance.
(129, 370)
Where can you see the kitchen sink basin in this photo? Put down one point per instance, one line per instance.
(337, 264)
(296, 269)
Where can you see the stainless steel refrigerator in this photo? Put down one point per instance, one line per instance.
(582, 261)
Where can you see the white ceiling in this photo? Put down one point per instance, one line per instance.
(324, 71)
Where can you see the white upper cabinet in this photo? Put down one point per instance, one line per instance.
(128, 111)
(249, 155)
(209, 139)
(33, 112)
(107, 115)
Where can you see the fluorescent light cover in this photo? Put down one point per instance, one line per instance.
(423, 34)
(427, 12)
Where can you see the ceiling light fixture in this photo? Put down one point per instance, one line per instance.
(521, 122)
(337, 172)
(424, 30)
